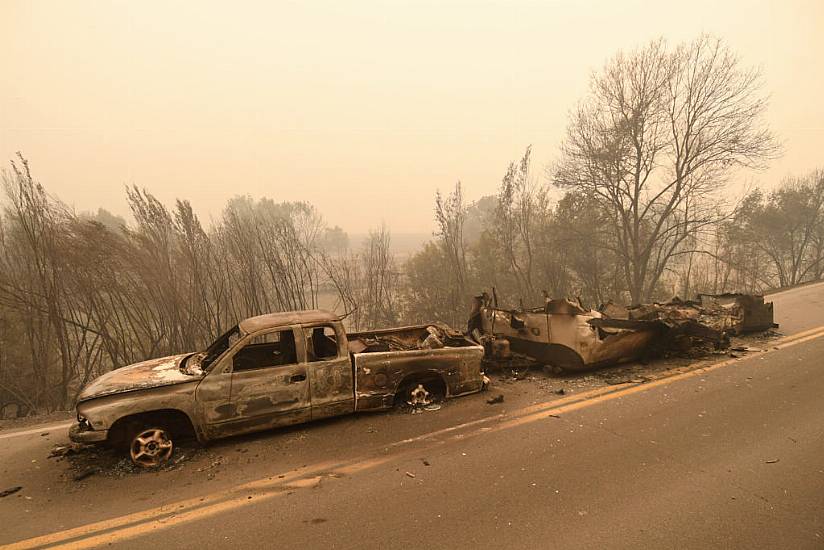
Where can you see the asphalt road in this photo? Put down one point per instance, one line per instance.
(729, 455)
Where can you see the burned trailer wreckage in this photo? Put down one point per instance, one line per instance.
(567, 336)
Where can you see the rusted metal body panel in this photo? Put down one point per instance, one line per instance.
(102, 412)
(745, 312)
(242, 401)
(384, 359)
(287, 318)
(566, 340)
(164, 371)
(310, 376)
(379, 375)
(262, 399)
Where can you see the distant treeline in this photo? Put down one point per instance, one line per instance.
(642, 216)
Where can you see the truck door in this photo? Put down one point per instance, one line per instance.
(330, 370)
(270, 386)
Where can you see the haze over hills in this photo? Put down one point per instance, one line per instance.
(402, 245)
(332, 102)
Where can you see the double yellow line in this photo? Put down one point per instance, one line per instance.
(162, 517)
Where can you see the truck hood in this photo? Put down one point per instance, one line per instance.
(153, 373)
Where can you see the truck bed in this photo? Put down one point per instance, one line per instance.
(384, 359)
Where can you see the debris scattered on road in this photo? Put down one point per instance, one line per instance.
(421, 402)
(9, 491)
(410, 474)
(549, 370)
(425, 462)
(495, 400)
(44, 434)
(616, 381)
(773, 460)
(64, 450)
(560, 391)
(88, 472)
(85, 460)
(215, 464)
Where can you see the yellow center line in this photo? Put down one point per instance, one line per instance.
(164, 510)
(797, 335)
(139, 523)
(234, 503)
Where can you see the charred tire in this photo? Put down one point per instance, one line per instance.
(149, 445)
(434, 386)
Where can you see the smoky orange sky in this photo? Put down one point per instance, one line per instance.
(363, 109)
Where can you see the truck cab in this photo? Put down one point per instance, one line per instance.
(278, 370)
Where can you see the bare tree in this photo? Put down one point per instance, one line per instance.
(380, 279)
(787, 228)
(655, 139)
(428, 291)
(344, 270)
(32, 283)
(366, 282)
(521, 205)
(450, 216)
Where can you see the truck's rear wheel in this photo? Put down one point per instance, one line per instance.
(150, 446)
(420, 392)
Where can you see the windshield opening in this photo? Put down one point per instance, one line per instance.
(219, 346)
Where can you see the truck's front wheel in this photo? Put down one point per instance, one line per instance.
(150, 446)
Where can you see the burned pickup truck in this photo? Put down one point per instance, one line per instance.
(567, 336)
(269, 371)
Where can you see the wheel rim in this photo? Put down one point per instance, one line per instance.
(419, 396)
(151, 447)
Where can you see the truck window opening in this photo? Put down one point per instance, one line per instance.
(321, 343)
(273, 349)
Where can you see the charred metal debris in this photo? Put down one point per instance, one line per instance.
(437, 335)
(567, 336)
